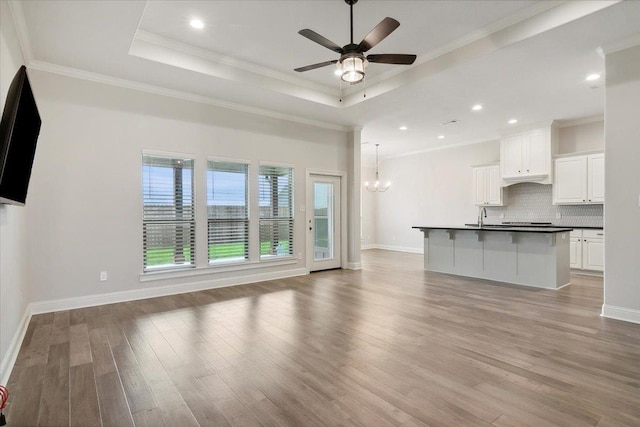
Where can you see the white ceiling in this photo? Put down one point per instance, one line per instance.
(523, 59)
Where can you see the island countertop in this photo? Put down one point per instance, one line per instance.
(493, 227)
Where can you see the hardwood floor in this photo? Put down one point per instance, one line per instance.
(391, 345)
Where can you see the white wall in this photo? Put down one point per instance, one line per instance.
(85, 210)
(13, 249)
(622, 186)
(429, 188)
(581, 138)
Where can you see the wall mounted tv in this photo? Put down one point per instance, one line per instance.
(19, 130)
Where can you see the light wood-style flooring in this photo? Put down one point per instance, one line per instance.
(391, 345)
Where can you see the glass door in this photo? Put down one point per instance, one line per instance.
(324, 225)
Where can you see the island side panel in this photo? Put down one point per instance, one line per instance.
(563, 270)
(500, 257)
(439, 249)
(467, 254)
(537, 262)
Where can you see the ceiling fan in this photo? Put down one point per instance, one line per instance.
(352, 60)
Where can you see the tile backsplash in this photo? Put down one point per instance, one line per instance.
(533, 202)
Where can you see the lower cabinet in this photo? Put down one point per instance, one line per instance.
(586, 250)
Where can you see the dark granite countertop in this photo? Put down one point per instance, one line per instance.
(490, 227)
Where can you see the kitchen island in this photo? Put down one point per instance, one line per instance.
(528, 256)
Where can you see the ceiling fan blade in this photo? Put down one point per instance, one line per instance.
(379, 32)
(321, 40)
(314, 66)
(392, 58)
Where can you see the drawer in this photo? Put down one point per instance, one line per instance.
(575, 234)
(593, 234)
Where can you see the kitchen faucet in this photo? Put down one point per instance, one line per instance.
(483, 211)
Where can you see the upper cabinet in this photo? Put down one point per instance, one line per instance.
(526, 156)
(488, 189)
(579, 180)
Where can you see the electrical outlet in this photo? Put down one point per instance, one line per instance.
(502, 215)
(558, 215)
(103, 276)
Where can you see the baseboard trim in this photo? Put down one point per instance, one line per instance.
(354, 266)
(367, 247)
(39, 307)
(397, 248)
(621, 313)
(11, 356)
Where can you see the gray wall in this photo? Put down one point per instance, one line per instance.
(622, 185)
(13, 250)
(433, 187)
(85, 212)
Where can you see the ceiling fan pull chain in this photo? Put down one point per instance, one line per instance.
(364, 91)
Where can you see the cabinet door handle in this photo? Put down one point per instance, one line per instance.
(527, 170)
(518, 170)
(583, 200)
(600, 234)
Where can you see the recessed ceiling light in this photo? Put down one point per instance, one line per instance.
(440, 136)
(513, 121)
(477, 107)
(196, 23)
(403, 128)
(592, 77)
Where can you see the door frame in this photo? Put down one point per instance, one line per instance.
(309, 215)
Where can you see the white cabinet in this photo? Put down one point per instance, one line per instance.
(488, 191)
(579, 180)
(586, 250)
(575, 250)
(595, 178)
(593, 250)
(526, 156)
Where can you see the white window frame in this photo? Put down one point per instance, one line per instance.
(247, 220)
(147, 221)
(265, 220)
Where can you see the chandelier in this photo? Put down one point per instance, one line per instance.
(377, 186)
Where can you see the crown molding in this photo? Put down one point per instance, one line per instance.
(20, 23)
(170, 52)
(580, 121)
(215, 57)
(157, 90)
(495, 138)
(619, 45)
(506, 22)
(540, 22)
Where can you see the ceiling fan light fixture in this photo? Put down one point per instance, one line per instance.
(353, 69)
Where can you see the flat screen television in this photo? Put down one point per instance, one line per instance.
(19, 130)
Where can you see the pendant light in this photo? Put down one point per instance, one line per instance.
(377, 186)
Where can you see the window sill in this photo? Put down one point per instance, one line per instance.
(213, 269)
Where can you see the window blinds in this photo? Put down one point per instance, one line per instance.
(275, 188)
(227, 211)
(168, 212)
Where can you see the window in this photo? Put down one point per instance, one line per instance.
(276, 211)
(227, 211)
(168, 212)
